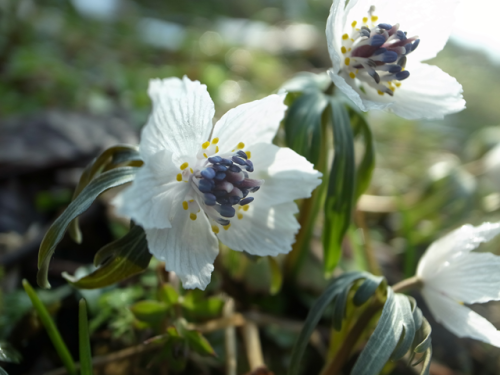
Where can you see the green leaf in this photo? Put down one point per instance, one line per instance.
(120, 259)
(341, 187)
(338, 286)
(276, 276)
(84, 340)
(168, 295)
(367, 164)
(8, 353)
(303, 124)
(51, 329)
(198, 306)
(150, 311)
(397, 332)
(55, 233)
(108, 159)
(3, 372)
(367, 289)
(198, 343)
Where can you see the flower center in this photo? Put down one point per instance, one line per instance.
(376, 54)
(221, 184)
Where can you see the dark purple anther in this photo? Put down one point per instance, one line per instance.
(246, 201)
(208, 173)
(223, 222)
(223, 200)
(227, 210)
(394, 69)
(401, 35)
(377, 40)
(389, 57)
(415, 45)
(234, 200)
(379, 51)
(205, 186)
(215, 159)
(210, 199)
(226, 162)
(385, 26)
(402, 75)
(220, 176)
(238, 160)
(254, 189)
(220, 168)
(249, 166)
(234, 168)
(242, 154)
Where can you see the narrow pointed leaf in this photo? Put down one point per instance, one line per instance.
(108, 159)
(50, 327)
(367, 289)
(367, 164)
(129, 256)
(331, 292)
(84, 340)
(198, 343)
(303, 124)
(341, 187)
(55, 233)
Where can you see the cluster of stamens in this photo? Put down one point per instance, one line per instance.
(221, 184)
(377, 55)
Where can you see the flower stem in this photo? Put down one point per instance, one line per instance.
(373, 266)
(407, 284)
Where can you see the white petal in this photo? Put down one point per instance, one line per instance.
(181, 119)
(189, 249)
(428, 93)
(430, 20)
(363, 101)
(250, 123)
(148, 201)
(334, 32)
(455, 244)
(459, 319)
(472, 278)
(262, 230)
(287, 175)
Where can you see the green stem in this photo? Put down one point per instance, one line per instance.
(51, 328)
(410, 283)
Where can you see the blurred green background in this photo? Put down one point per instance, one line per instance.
(69, 70)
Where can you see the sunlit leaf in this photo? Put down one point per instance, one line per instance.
(108, 159)
(124, 258)
(341, 187)
(198, 306)
(149, 311)
(8, 353)
(55, 233)
(303, 125)
(168, 295)
(338, 286)
(198, 343)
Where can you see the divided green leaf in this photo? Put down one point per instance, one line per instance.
(119, 260)
(105, 181)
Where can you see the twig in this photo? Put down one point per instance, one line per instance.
(112, 357)
(252, 344)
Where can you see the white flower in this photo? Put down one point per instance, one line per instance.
(376, 62)
(198, 182)
(453, 275)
